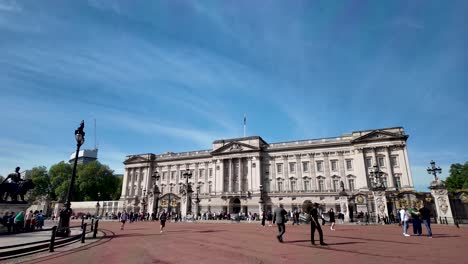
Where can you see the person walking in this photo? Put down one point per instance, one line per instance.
(404, 221)
(162, 220)
(315, 225)
(417, 228)
(296, 217)
(123, 219)
(331, 214)
(263, 218)
(28, 219)
(425, 215)
(270, 218)
(279, 217)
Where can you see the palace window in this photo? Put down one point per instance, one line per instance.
(279, 168)
(334, 164)
(394, 161)
(210, 188)
(319, 166)
(164, 175)
(292, 167)
(305, 166)
(349, 164)
(173, 173)
(306, 185)
(293, 185)
(171, 189)
(210, 172)
(384, 181)
(351, 184)
(280, 186)
(381, 161)
(201, 173)
(398, 182)
(336, 185)
(321, 186)
(368, 162)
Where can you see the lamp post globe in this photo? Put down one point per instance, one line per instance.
(63, 228)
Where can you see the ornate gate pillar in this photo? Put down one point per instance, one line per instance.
(442, 202)
(381, 204)
(344, 206)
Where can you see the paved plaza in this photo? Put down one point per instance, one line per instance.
(142, 242)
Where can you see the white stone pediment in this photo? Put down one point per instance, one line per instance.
(135, 159)
(234, 147)
(379, 135)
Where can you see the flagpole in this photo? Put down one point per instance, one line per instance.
(244, 123)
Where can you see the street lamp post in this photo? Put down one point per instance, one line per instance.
(378, 190)
(98, 205)
(198, 201)
(144, 202)
(262, 201)
(156, 192)
(433, 170)
(63, 229)
(188, 192)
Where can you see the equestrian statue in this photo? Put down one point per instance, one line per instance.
(16, 186)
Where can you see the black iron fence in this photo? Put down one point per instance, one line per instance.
(17, 250)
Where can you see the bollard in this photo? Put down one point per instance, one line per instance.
(52, 239)
(95, 229)
(82, 222)
(92, 224)
(83, 234)
(440, 219)
(446, 222)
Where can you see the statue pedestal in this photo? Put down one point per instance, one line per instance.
(344, 205)
(442, 202)
(380, 203)
(186, 206)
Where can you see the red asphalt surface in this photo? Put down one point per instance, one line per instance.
(142, 242)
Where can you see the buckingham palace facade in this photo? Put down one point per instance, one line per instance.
(236, 173)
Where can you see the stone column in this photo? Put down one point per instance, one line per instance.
(230, 185)
(344, 205)
(391, 178)
(286, 173)
(218, 176)
(125, 184)
(138, 182)
(380, 204)
(442, 202)
(273, 175)
(241, 177)
(300, 181)
(326, 167)
(249, 174)
(313, 175)
(131, 192)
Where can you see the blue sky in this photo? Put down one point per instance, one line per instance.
(175, 75)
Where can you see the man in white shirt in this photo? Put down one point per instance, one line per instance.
(404, 221)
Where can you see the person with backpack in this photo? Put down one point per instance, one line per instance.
(123, 219)
(162, 220)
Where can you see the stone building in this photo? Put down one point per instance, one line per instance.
(231, 174)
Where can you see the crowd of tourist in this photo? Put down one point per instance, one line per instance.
(21, 222)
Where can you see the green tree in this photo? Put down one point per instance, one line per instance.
(458, 178)
(118, 189)
(60, 174)
(94, 178)
(2, 178)
(40, 178)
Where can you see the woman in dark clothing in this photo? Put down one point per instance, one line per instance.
(332, 219)
(263, 218)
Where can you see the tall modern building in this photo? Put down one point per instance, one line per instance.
(235, 173)
(84, 156)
